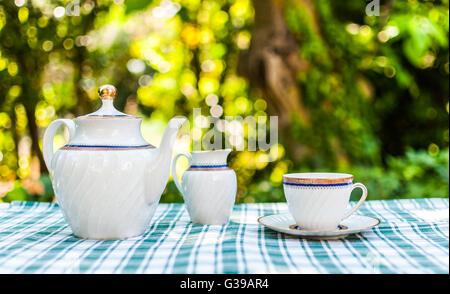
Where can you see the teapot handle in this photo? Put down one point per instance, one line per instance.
(174, 170)
(49, 134)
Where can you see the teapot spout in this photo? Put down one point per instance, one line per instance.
(158, 172)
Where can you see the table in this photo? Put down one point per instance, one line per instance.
(413, 237)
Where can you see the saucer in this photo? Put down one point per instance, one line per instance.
(285, 223)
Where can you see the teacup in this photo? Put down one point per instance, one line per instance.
(318, 201)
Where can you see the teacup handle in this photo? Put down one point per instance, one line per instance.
(174, 170)
(363, 197)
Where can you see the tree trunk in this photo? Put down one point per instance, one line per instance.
(83, 106)
(34, 134)
(29, 98)
(273, 61)
(271, 65)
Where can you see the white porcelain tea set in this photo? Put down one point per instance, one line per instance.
(108, 181)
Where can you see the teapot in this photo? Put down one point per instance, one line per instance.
(107, 179)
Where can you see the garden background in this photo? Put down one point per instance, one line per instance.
(354, 91)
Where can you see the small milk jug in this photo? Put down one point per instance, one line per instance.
(208, 186)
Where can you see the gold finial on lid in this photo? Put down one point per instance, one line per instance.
(107, 92)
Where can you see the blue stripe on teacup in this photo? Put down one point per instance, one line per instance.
(69, 146)
(208, 166)
(318, 185)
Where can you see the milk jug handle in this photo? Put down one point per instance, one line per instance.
(174, 170)
(47, 144)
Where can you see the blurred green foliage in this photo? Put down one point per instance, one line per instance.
(376, 88)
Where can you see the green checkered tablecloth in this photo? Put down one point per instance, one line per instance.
(412, 238)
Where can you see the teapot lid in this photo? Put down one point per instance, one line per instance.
(107, 110)
(107, 128)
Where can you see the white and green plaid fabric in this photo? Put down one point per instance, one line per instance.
(413, 237)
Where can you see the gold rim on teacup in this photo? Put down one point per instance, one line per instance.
(317, 178)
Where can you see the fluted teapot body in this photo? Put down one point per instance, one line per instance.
(108, 179)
